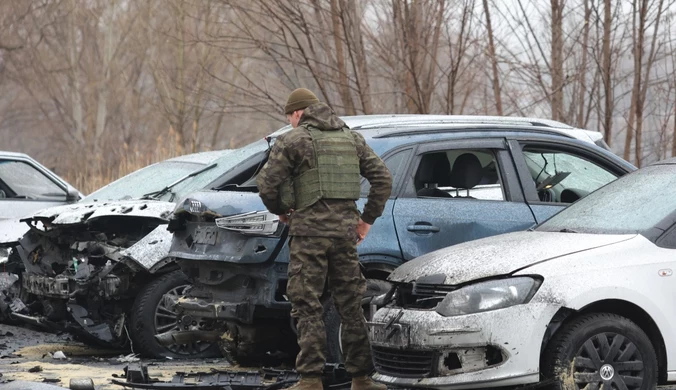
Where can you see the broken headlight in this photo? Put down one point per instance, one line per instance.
(255, 222)
(194, 207)
(488, 295)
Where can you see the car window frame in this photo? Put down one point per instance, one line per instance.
(396, 186)
(510, 185)
(32, 163)
(587, 152)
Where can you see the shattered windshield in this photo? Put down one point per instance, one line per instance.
(632, 204)
(157, 176)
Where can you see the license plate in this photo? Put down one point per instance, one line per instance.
(394, 334)
(206, 235)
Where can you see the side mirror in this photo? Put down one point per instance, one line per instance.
(72, 194)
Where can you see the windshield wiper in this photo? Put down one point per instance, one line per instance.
(158, 194)
(566, 230)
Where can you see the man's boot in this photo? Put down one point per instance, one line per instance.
(366, 383)
(308, 383)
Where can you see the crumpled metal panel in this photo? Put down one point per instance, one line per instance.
(499, 255)
(11, 230)
(152, 248)
(7, 280)
(87, 212)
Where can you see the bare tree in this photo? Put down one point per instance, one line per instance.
(640, 25)
(493, 59)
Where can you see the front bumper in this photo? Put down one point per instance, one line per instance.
(416, 348)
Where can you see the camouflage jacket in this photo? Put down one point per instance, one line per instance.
(292, 154)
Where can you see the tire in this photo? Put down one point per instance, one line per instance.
(149, 317)
(334, 353)
(600, 348)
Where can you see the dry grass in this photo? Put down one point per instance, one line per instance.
(97, 171)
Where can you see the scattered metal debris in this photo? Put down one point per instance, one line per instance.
(59, 355)
(334, 377)
(131, 358)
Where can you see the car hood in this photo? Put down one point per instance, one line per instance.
(88, 212)
(497, 255)
(12, 229)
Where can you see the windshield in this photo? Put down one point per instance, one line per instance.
(157, 176)
(21, 180)
(632, 204)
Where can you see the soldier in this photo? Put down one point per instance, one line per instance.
(324, 161)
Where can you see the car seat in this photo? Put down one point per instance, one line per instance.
(467, 172)
(434, 169)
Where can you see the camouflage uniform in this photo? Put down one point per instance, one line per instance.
(323, 243)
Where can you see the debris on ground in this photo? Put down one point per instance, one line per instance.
(131, 358)
(59, 355)
(334, 377)
(35, 369)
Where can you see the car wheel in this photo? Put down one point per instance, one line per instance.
(153, 314)
(332, 323)
(601, 350)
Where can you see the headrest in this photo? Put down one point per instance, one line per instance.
(467, 171)
(434, 168)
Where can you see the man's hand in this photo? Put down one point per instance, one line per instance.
(362, 230)
(284, 218)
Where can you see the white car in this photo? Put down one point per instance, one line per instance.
(585, 300)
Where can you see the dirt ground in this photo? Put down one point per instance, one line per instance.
(26, 355)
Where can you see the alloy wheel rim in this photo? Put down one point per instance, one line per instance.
(166, 319)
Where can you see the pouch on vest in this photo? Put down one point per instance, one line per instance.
(336, 175)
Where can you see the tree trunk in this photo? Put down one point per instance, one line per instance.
(606, 70)
(74, 76)
(583, 68)
(557, 59)
(494, 60)
(343, 87)
(646, 80)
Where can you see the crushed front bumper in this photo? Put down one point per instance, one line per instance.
(420, 348)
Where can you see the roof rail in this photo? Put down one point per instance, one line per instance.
(440, 130)
(416, 121)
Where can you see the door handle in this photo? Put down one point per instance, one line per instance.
(423, 228)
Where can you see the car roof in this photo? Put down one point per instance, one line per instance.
(382, 126)
(202, 157)
(669, 161)
(14, 154)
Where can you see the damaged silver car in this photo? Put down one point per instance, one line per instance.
(99, 268)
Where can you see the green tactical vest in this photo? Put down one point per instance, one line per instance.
(336, 175)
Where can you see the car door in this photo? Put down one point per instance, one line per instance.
(556, 174)
(457, 191)
(24, 189)
(381, 244)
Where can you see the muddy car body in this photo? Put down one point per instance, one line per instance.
(581, 300)
(99, 268)
(236, 253)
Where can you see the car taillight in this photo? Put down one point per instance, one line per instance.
(256, 223)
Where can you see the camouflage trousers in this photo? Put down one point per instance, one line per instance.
(313, 260)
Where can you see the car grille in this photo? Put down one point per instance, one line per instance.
(403, 363)
(422, 296)
(431, 290)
